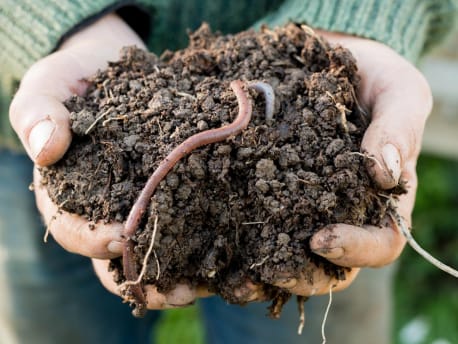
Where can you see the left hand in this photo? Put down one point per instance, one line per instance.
(399, 101)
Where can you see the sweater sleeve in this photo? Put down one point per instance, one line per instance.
(411, 27)
(31, 29)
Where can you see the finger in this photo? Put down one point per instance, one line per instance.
(348, 245)
(181, 296)
(399, 99)
(368, 246)
(400, 107)
(37, 113)
(42, 123)
(315, 281)
(76, 234)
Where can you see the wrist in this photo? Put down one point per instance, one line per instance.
(113, 31)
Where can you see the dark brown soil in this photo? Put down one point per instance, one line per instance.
(243, 209)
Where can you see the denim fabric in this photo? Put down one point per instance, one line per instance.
(360, 314)
(50, 296)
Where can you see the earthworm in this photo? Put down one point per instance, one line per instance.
(135, 292)
(269, 97)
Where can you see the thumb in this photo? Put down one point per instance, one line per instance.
(37, 112)
(399, 111)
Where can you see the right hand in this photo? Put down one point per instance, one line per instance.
(42, 123)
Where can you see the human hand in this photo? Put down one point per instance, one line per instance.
(42, 123)
(399, 100)
(181, 296)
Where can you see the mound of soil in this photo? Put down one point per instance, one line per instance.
(238, 210)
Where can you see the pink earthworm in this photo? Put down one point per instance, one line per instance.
(135, 292)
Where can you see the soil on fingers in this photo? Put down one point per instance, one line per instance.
(234, 211)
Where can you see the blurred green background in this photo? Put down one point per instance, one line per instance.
(426, 298)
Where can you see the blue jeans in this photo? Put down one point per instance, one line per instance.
(50, 296)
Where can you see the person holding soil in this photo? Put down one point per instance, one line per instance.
(51, 296)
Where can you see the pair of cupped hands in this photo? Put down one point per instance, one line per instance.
(393, 90)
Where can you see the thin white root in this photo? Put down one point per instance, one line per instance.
(269, 97)
(323, 335)
(259, 263)
(343, 116)
(185, 95)
(412, 242)
(343, 112)
(253, 223)
(118, 118)
(122, 286)
(88, 130)
(308, 30)
(157, 265)
(46, 236)
(300, 302)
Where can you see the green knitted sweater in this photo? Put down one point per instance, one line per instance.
(31, 29)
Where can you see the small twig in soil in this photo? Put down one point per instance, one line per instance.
(413, 243)
(185, 95)
(328, 307)
(265, 29)
(252, 266)
(88, 130)
(366, 156)
(145, 261)
(135, 292)
(269, 97)
(158, 266)
(363, 113)
(117, 118)
(253, 223)
(343, 112)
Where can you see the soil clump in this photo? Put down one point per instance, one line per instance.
(235, 211)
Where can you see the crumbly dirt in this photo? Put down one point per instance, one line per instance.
(243, 209)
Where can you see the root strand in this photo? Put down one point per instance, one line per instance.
(300, 304)
(135, 292)
(328, 307)
(422, 252)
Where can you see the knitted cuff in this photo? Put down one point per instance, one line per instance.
(410, 27)
(31, 29)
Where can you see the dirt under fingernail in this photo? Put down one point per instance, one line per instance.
(330, 253)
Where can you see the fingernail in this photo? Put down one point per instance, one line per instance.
(115, 247)
(330, 253)
(392, 159)
(286, 283)
(40, 135)
(172, 305)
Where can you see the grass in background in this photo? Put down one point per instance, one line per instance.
(426, 298)
(181, 326)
